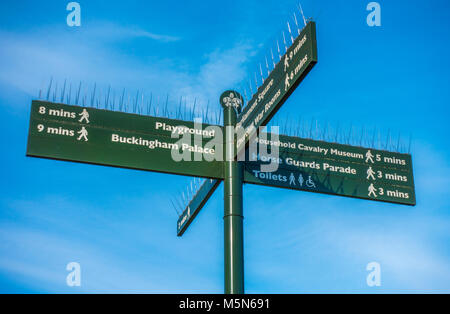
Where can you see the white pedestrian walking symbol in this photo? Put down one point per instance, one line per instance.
(301, 180)
(372, 191)
(310, 183)
(286, 63)
(370, 173)
(369, 156)
(292, 179)
(287, 84)
(83, 134)
(84, 116)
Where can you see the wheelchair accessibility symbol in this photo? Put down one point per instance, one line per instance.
(310, 183)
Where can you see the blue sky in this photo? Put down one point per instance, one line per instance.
(119, 224)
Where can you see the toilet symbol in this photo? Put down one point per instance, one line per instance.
(370, 174)
(84, 116)
(310, 183)
(292, 179)
(301, 180)
(83, 134)
(369, 156)
(372, 191)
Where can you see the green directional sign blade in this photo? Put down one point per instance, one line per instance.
(298, 61)
(330, 168)
(196, 205)
(124, 140)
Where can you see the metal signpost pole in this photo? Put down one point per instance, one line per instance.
(233, 207)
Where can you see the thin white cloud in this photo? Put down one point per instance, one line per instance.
(30, 59)
(114, 32)
(223, 70)
(61, 231)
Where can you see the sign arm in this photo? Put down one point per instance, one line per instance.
(196, 205)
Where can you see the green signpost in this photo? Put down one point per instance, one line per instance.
(196, 204)
(117, 139)
(125, 140)
(332, 168)
(293, 67)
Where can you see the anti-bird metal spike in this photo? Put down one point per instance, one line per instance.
(246, 98)
(195, 185)
(301, 11)
(337, 133)
(388, 140)
(299, 128)
(324, 133)
(311, 128)
(410, 142)
(136, 102)
(193, 109)
(108, 94)
(151, 104)
(296, 23)
(55, 91)
(178, 113)
(350, 133)
(290, 32)
(127, 104)
(49, 89)
(273, 59)
(99, 99)
(398, 142)
(267, 66)
(279, 50)
(362, 136)
(167, 106)
(174, 207)
(374, 135)
(113, 104)
(181, 203)
(285, 43)
(122, 99)
(184, 198)
(207, 112)
(78, 94)
(380, 140)
(93, 95)
(69, 96)
(317, 129)
(261, 72)
(159, 105)
(63, 93)
(189, 194)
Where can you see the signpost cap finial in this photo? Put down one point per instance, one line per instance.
(233, 99)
